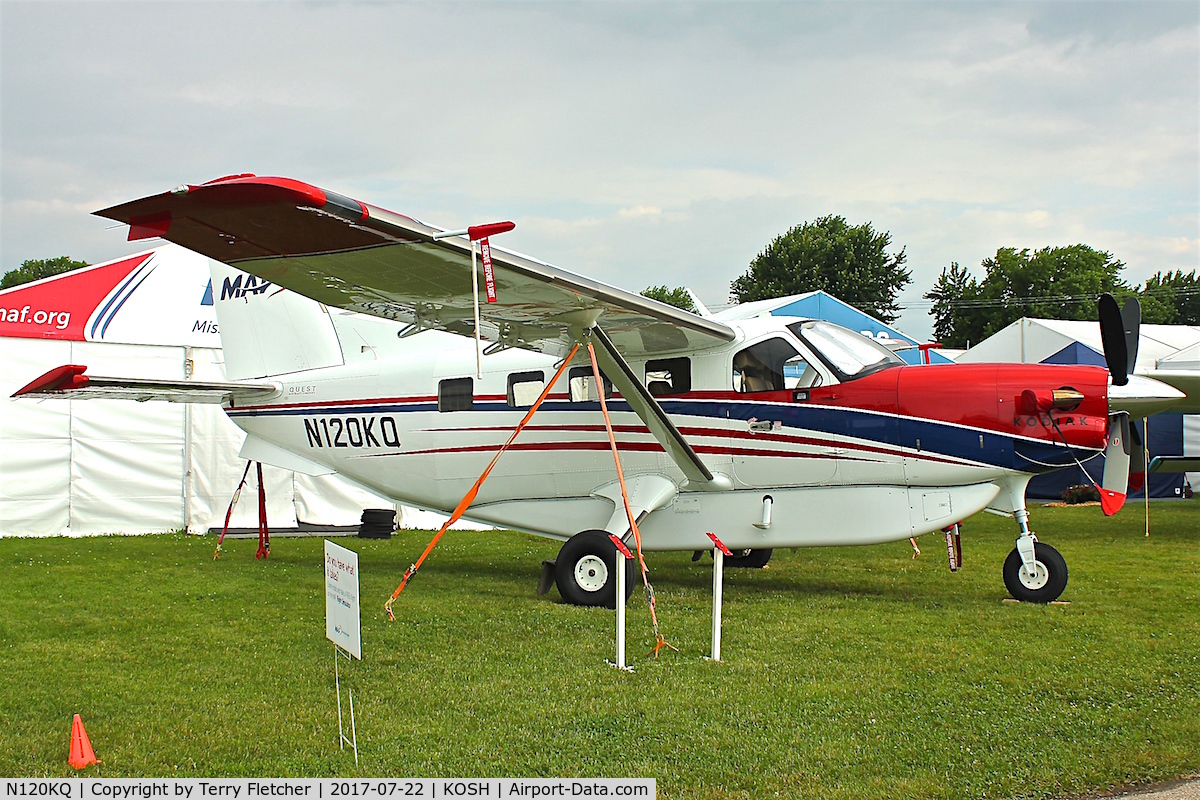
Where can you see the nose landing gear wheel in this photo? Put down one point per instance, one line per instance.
(1044, 583)
(585, 570)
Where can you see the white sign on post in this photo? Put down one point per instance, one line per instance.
(342, 626)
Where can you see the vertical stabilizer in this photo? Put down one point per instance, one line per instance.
(268, 330)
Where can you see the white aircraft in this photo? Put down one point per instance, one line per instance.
(771, 432)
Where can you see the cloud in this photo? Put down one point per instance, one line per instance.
(637, 143)
(641, 211)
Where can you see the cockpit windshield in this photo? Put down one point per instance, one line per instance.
(847, 353)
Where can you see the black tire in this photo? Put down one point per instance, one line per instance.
(584, 570)
(749, 559)
(1044, 587)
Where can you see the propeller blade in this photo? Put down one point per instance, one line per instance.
(1115, 483)
(1131, 322)
(1112, 334)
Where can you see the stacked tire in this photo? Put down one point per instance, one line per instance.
(377, 523)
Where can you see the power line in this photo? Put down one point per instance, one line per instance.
(1164, 293)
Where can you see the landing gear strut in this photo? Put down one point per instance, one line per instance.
(1034, 572)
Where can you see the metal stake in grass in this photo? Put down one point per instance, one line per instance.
(622, 556)
(344, 740)
(719, 553)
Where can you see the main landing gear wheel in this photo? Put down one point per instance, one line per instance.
(585, 570)
(1044, 584)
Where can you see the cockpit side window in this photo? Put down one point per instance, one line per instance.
(764, 367)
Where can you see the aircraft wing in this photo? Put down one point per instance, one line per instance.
(355, 256)
(70, 382)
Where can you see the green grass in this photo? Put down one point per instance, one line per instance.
(848, 672)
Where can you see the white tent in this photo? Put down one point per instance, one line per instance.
(109, 466)
(1034, 341)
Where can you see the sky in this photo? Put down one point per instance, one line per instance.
(637, 143)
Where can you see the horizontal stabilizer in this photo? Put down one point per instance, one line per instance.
(71, 382)
(1174, 464)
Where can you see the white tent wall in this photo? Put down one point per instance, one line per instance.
(101, 466)
(1032, 341)
(333, 500)
(127, 458)
(118, 466)
(1024, 341)
(1191, 445)
(35, 443)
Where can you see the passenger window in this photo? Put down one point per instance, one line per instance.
(524, 388)
(669, 376)
(583, 385)
(456, 394)
(761, 367)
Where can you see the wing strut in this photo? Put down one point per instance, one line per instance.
(653, 416)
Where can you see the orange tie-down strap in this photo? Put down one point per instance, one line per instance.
(659, 641)
(469, 497)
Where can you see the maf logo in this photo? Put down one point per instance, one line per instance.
(236, 288)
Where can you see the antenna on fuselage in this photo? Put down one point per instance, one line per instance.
(701, 309)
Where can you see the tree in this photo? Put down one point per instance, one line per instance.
(1051, 283)
(678, 297)
(953, 294)
(1179, 292)
(36, 269)
(849, 262)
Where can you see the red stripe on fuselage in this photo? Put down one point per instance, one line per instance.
(722, 434)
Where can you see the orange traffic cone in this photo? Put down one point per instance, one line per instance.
(81, 748)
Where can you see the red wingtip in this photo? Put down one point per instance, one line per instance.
(68, 376)
(149, 227)
(477, 232)
(1111, 502)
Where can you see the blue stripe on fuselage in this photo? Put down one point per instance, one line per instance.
(940, 438)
